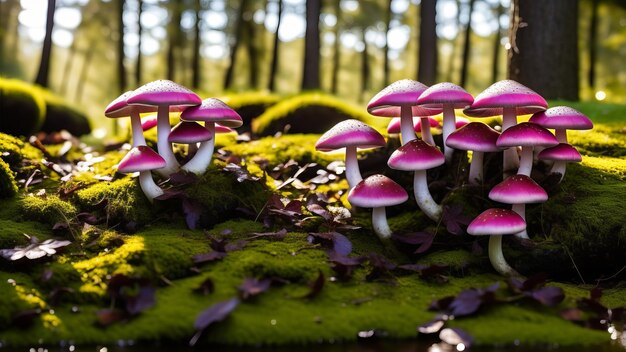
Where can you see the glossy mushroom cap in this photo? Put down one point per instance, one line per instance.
(213, 110)
(223, 129)
(377, 191)
(149, 121)
(350, 133)
(461, 121)
(562, 117)
(416, 155)
(400, 93)
(445, 93)
(506, 94)
(394, 124)
(120, 108)
(163, 92)
(496, 221)
(526, 134)
(140, 158)
(474, 136)
(518, 189)
(188, 133)
(561, 152)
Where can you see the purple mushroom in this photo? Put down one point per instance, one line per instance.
(479, 138)
(561, 154)
(211, 111)
(142, 159)
(190, 133)
(421, 125)
(527, 135)
(419, 156)
(518, 190)
(163, 94)
(446, 96)
(400, 99)
(119, 108)
(378, 192)
(350, 134)
(496, 223)
(148, 122)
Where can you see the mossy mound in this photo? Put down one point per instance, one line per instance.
(22, 107)
(8, 186)
(310, 113)
(250, 106)
(61, 116)
(13, 150)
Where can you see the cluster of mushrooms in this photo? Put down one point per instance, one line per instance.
(163, 97)
(415, 104)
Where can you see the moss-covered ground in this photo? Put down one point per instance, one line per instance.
(579, 240)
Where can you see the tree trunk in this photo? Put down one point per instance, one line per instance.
(593, 44)
(275, 51)
(173, 39)
(197, 40)
(365, 67)
(121, 69)
(496, 44)
(455, 44)
(427, 48)
(386, 47)
(467, 45)
(334, 85)
(253, 54)
(46, 53)
(228, 80)
(139, 33)
(311, 74)
(544, 47)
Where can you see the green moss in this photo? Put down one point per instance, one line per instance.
(250, 105)
(17, 294)
(8, 186)
(457, 259)
(48, 209)
(62, 116)
(12, 232)
(22, 107)
(13, 150)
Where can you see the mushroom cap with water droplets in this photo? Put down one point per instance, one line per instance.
(506, 94)
(562, 117)
(561, 152)
(213, 110)
(377, 191)
(141, 158)
(445, 93)
(496, 221)
(518, 189)
(120, 108)
(526, 134)
(163, 92)
(400, 93)
(416, 155)
(350, 133)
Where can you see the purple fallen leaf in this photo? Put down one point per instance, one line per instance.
(441, 304)
(319, 210)
(572, 314)
(341, 244)
(108, 316)
(456, 337)
(183, 178)
(413, 238)
(215, 313)
(431, 327)
(592, 306)
(549, 296)
(466, 303)
(192, 210)
(88, 218)
(144, 299)
(253, 287)
(206, 287)
(316, 286)
(208, 257)
(235, 246)
(535, 281)
(344, 266)
(280, 235)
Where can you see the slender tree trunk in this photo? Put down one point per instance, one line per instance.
(253, 54)
(311, 74)
(386, 47)
(228, 80)
(427, 69)
(82, 77)
(593, 44)
(46, 53)
(334, 86)
(138, 68)
(467, 44)
(365, 67)
(15, 45)
(455, 44)
(544, 47)
(496, 44)
(174, 39)
(197, 40)
(121, 69)
(275, 51)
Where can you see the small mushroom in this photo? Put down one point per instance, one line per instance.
(119, 108)
(421, 125)
(419, 156)
(148, 122)
(527, 135)
(496, 223)
(378, 192)
(479, 138)
(350, 134)
(189, 133)
(142, 159)
(561, 154)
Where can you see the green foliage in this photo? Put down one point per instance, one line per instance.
(14, 150)
(8, 186)
(22, 107)
(48, 209)
(62, 116)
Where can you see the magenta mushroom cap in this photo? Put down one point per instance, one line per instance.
(526, 134)
(394, 125)
(562, 117)
(223, 129)
(561, 152)
(213, 110)
(496, 221)
(475, 136)
(119, 108)
(140, 158)
(518, 189)
(189, 132)
(416, 155)
(350, 133)
(445, 93)
(461, 121)
(377, 191)
(506, 94)
(148, 122)
(400, 93)
(163, 93)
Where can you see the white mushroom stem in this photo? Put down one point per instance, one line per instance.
(526, 162)
(559, 168)
(510, 159)
(427, 136)
(497, 258)
(353, 174)
(561, 135)
(520, 209)
(423, 198)
(163, 146)
(201, 161)
(379, 223)
(476, 168)
(449, 126)
(135, 126)
(406, 124)
(149, 188)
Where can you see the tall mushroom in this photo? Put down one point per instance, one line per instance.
(419, 156)
(350, 134)
(479, 138)
(496, 223)
(447, 96)
(509, 99)
(119, 108)
(527, 135)
(400, 99)
(421, 125)
(378, 192)
(142, 159)
(164, 94)
(561, 154)
(210, 111)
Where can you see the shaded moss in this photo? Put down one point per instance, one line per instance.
(8, 186)
(48, 209)
(22, 107)
(12, 232)
(250, 105)
(13, 150)
(61, 116)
